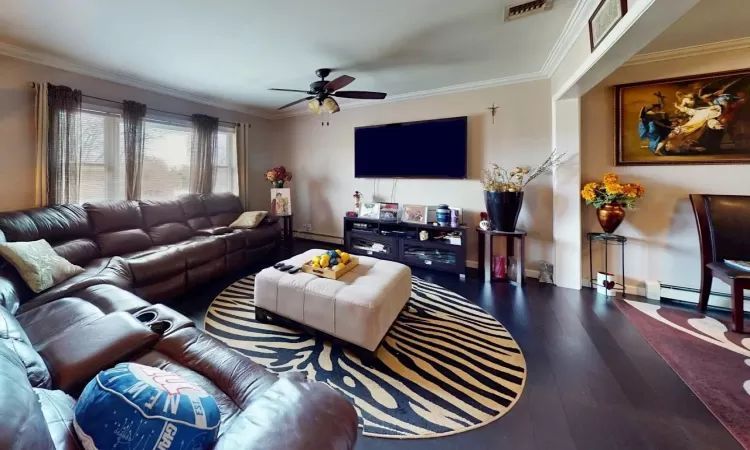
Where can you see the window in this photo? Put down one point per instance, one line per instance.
(226, 163)
(102, 174)
(166, 160)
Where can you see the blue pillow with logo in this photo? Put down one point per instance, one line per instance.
(135, 406)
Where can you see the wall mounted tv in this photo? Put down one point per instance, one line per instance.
(426, 149)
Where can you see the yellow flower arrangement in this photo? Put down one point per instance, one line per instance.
(610, 190)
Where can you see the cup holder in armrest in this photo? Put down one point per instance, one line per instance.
(160, 326)
(162, 319)
(147, 316)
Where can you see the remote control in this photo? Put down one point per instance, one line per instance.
(278, 265)
(285, 268)
(294, 270)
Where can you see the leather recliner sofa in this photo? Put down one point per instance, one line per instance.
(135, 254)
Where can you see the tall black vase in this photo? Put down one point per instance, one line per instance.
(503, 209)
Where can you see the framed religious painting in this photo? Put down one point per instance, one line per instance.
(701, 119)
(604, 19)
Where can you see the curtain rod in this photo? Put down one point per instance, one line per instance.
(32, 85)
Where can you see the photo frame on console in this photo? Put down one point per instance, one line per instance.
(414, 214)
(370, 210)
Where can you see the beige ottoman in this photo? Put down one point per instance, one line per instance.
(358, 308)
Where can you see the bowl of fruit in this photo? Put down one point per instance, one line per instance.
(331, 264)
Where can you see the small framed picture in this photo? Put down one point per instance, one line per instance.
(605, 17)
(370, 210)
(281, 202)
(389, 212)
(414, 214)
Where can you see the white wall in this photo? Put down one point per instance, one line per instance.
(17, 154)
(322, 159)
(663, 237)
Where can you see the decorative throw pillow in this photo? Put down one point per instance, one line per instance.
(132, 405)
(249, 219)
(38, 264)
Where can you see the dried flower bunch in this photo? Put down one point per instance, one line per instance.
(278, 174)
(610, 190)
(498, 179)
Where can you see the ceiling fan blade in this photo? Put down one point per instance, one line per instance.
(288, 90)
(340, 82)
(366, 95)
(294, 103)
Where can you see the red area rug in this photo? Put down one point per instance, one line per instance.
(713, 361)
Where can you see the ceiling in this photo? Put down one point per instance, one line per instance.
(234, 50)
(708, 22)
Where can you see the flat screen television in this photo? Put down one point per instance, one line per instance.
(426, 149)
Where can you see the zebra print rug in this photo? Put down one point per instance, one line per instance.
(445, 367)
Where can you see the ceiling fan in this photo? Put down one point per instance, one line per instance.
(321, 93)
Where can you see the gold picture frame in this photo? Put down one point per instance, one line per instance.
(698, 119)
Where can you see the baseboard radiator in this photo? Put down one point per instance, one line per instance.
(682, 294)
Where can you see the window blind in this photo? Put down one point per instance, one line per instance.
(102, 160)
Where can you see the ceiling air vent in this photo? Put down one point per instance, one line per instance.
(527, 9)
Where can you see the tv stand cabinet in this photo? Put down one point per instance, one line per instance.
(399, 241)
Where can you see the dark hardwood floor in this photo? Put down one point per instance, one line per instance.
(593, 381)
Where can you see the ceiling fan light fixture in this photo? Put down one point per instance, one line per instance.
(320, 92)
(314, 106)
(331, 105)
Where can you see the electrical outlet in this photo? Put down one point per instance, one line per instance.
(307, 227)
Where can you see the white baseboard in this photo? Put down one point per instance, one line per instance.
(319, 238)
(692, 297)
(680, 295)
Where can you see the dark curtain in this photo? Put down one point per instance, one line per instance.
(133, 114)
(64, 157)
(203, 145)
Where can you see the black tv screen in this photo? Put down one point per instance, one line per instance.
(427, 149)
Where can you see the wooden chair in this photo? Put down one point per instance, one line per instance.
(724, 231)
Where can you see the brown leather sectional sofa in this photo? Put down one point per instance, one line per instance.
(135, 255)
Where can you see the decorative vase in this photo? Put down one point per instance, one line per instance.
(278, 184)
(503, 209)
(610, 216)
(443, 215)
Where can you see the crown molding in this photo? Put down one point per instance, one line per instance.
(535, 76)
(689, 52)
(46, 59)
(576, 23)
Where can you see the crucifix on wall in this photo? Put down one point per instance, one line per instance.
(493, 110)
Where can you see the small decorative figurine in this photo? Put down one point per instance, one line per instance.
(423, 235)
(485, 225)
(545, 272)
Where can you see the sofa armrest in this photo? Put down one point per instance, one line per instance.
(13, 290)
(294, 415)
(77, 355)
(214, 231)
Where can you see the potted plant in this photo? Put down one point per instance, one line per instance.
(277, 176)
(503, 190)
(611, 199)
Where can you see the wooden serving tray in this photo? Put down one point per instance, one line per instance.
(331, 274)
